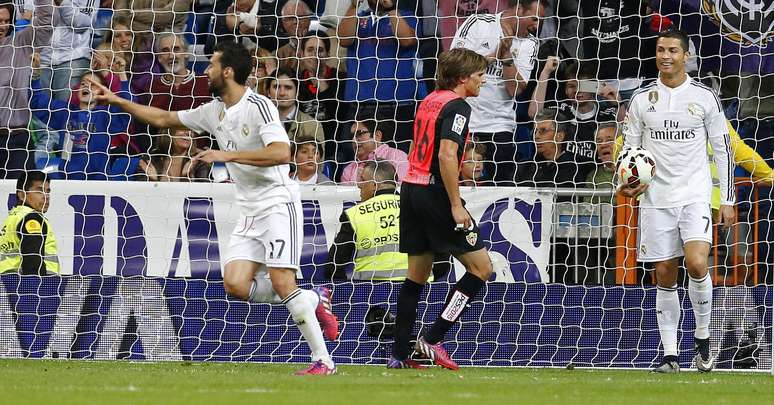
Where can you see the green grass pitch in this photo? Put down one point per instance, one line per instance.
(119, 382)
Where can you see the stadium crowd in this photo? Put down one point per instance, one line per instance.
(346, 77)
(347, 74)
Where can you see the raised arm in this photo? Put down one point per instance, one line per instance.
(403, 28)
(539, 96)
(347, 29)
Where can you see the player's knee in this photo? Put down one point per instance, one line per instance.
(235, 287)
(696, 265)
(283, 282)
(481, 268)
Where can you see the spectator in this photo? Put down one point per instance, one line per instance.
(69, 56)
(581, 89)
(295, 20)
(117, 47)
(507, 40)
(307, 160)
(264, 65)
(319, 92)
(381, 44)
(16, 49)
(283, 91)
(603, 176)
(171, 159)
(367, 139)
(473, 164)
(177, 87)
(552, 166)
(85, 130)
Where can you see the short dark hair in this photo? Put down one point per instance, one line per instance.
(321, 35)
(382, 171)
(282, 71)
(677, 34)
(477, 147)
(385, 126)
(8, 4)
(235, 56)
(28, 177)
(457, 64)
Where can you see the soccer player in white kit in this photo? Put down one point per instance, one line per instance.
(673, 118)
(265, 248)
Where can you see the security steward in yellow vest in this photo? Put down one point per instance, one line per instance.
(27, 242)
(369, 231)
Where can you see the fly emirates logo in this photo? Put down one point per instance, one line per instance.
(671, 132)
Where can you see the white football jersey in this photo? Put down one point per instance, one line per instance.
(674, 124)
(493, 109)
(250, 124)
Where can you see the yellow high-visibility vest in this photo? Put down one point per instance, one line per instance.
(10, 242)
(377, 236)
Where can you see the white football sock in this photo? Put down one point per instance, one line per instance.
(261, 290)
(302, 305)
(668, 316)
(700, 292)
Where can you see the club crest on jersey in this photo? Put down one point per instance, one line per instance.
(625, 125)
(245, 130)
(459, 123)
(472, 238)
(695, 111)
(653, 97)
(643, 250)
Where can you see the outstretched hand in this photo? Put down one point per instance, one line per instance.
(101, 93)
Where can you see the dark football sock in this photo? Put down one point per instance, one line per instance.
(408, 300)
(455, 306)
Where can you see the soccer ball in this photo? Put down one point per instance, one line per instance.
(636, 166)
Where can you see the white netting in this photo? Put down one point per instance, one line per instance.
(141, 258)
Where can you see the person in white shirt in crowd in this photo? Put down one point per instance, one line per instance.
(507, 40)
(69, 57)
(264, 251)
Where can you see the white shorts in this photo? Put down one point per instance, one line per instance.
(664, 231)
(274, 238)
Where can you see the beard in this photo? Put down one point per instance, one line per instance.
(216, 86)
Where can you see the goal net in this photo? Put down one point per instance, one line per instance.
(141, 228)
